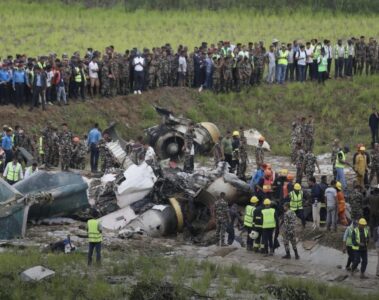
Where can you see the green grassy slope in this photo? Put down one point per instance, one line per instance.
(341, 109)
(34, 28)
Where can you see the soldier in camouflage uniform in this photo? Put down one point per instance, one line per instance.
(165, 69)
(222, 219)
(105, 80)
(335, 149)
(374, 165)
(259, 58)
(173, 65)
(124, 75)
(309, 135)
(259, 154)
(360, 55)
(65, 147)
(299, 162)
(106, 156)
(309, 164)
(228, 73)
(153, 72)
(67, 72)
(289, 231)
(189, 149)
(243, 159)
(356, 202)
(114, 75)
(372, 57)
(79, 152)
(190, 70)
(293, 141)
(48, 140)
(217, 74)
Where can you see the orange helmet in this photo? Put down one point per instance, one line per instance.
(290, 177)
(76, 139)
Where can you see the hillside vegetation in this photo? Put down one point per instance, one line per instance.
(35, 29)
(341, 109)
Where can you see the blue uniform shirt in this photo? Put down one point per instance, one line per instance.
(6, 143)
(19, 76)
(4, 76)
(93, 136)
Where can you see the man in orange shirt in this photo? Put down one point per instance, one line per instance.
(341, 204)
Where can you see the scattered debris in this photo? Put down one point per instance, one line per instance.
(287, 293)
(36, 273)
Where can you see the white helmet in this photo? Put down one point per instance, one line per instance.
(253, 235)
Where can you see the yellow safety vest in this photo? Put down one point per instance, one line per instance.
(94, 235)
(248, 218)
(40, 146)
(283, 57)
(339, 163)
(13, 173)
(349, 240)
(268, 218)
(78, 76)
(296, 201)
(358, 237)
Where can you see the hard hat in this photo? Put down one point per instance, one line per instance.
(283, 172)
(297, 187)
(236, 133)
(362, 221)
(275, 41)
(339, 185)
(76, 139)
(261, 138)
(254, 199)
(267, 202)
(362, 148)
(290, 177)
(253, 234)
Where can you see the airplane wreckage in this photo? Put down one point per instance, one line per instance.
(154, 200)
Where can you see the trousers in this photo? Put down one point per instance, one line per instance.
(316, 214)
(97, 247)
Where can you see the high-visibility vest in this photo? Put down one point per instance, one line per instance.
(248, 218)
(358, 237)
(339, 163)
(268, 218)
(13, 172)
(296, 200)
(283, 57)
(30, 170)
(94, 235)
(78, 76)
(349, 239)
(40, 146)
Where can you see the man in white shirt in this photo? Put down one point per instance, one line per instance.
(309, 65)
(93, 70)
(331, 206)
(31, 170)
(301, 58)
(138, 65)
(329, 54)
(182, 69)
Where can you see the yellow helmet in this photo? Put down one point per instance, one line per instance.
(236, 133)
(254, 199)
(261, 138)
(267, 202)
(297, 187)
(339, 185)
(283, 172)
(362, 221)
(362, 148)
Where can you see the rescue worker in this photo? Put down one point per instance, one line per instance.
(222, 219)
(279, 182)
(257, 226)
(341, 204)
(348, 244)
(288, 187)
(296, 202)
(259, 152)
(289, 231)
(360, 165)
(13, 171)
(248, 221)
(227, 149)
(269, 224)
(264, 187)
(94, 236)
(360, 240)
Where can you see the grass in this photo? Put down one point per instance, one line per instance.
(35, 28)
(73, 280)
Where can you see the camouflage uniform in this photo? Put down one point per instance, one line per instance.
(228, 74)
(188, 157)
(293, 142)
(308, 137)
(299, 165)
(222, 219)
(65, 149)
(172, 69)
(78, 158)
(216, 75)
(114, 79)
(259, 67)
(374, 166)
(356, 203)
(372, 58)
(190, 70)
(66, 77)
(360, 55)
(310, 164)
(164, 68)
(289, 232)
(153, 73)
(48, 140)
(124, 75)
(106, 157)
(243, 161)
(105, 80)
(259, 155)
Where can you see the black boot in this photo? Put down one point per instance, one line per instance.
(296, 254)
(288, 255)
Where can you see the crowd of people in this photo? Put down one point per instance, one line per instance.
(220, 67)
